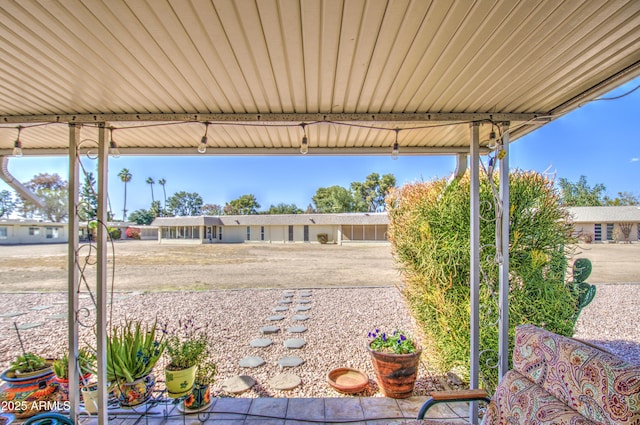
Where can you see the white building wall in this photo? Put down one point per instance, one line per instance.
(331, 232)
(277, 233)
(234, 233)
(41, 233)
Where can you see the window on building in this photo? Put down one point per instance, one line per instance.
(34, 231)
(248, 233)
(52, 233)
(609, 231)
(196, 232)
(306, 233)
(597, 232)
(290, 233)
(638, 227)
(261, 233)
(220, 233)
(3, 232)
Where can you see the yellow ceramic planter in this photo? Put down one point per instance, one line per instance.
(180, 382)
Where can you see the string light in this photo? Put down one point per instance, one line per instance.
(395, 151)
(304, 145)
(203, 142)
(17, 145)
(113, 147)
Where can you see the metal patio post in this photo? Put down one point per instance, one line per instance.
(503, 338)
(475, 265)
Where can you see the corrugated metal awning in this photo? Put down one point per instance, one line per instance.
(353, 70)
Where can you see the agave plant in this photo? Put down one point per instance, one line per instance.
(86, 363)
(132, 352)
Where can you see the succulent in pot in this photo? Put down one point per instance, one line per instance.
(27, 383)
(132, 353)
(86, 363)
(200, 396)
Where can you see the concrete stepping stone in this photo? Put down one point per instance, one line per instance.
(275, 318)
(41, 307)
(269, 330)
(292, 361)
(295, 343)
(261, 342)
(252, 361)
(58, 317)
(288, 294)
(297, 329)
(303, 308)
(238, 384)
(284, 381)
(278, 309)
(25, 326)
(299, 317)
(304, 302)
(12, 314)
(305, 294)
(285, 301)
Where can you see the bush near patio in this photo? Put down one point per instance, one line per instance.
(430, 236)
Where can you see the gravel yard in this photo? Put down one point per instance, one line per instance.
(343, 307)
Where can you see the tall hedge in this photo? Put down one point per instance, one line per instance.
(430, 235)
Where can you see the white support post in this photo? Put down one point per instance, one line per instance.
(503, 329)
(72, 293)
(475, 266)
(101, 291)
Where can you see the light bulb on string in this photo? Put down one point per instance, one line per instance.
(395, 151)
(113, 146)
(304, 144)
(17, 145)
(203, 142)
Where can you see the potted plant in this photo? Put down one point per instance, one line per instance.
(395, 357)
(28, 381)
(132, 353)
(185, 352)
(86, 364)
(200, 397)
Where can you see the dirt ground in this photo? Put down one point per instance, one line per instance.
(149, 266)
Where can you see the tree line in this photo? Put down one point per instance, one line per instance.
(366, 196)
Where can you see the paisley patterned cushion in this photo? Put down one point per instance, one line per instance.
(519, 401)
(598, 385)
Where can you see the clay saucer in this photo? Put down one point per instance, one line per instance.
(347, 380)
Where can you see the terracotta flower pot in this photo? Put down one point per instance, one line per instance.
(396, 373)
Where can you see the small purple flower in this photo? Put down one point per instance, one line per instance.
(377, 330)
(403, 338)
(384, 337)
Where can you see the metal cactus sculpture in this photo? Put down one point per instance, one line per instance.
(584, 291)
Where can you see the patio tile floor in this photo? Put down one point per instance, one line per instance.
(282, 411)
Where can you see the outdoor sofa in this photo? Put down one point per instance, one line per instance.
(558, 380)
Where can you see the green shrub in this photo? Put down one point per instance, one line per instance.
(430, 234)
(115, 233)
(323, 238)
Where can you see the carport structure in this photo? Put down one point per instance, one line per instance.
(331, 77)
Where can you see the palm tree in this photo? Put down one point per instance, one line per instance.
(125, 177)
(151, 182)
(162, 182)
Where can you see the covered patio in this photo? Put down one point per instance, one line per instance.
(292, 77)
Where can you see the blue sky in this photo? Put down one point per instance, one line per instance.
(601, 140)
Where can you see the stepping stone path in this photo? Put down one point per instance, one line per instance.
(58, 317)
(238, 384)
(284, 381)
(290, 362)
(295, 343)
(25, 326)
(261, 342)
(252, 361)
(12, 314)
(281, 381)
(269, 330)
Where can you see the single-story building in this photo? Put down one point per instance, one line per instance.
(18, 231)
(272, 228)
(607, 224)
